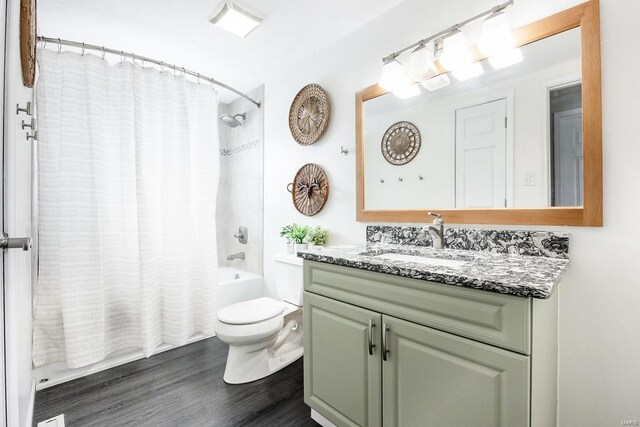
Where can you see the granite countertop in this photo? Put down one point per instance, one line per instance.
(521, 275)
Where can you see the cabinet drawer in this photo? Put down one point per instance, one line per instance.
(497, 319)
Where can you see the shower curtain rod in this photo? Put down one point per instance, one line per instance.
(133, 56)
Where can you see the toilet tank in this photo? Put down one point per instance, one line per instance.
(288, 275)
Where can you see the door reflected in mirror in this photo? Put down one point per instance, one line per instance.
(509, 138)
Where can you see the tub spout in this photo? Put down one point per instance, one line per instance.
(239, 255)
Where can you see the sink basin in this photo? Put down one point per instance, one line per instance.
(437, 262)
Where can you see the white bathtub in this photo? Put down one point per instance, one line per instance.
(236, 286)
(233, 286)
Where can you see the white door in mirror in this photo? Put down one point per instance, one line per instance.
(481, 140)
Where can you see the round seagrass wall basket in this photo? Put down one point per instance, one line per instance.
(309, 114)
(309, 189)
(400, 143)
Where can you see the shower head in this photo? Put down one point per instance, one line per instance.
(232, 121)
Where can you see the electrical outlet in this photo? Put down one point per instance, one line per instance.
(530, 179)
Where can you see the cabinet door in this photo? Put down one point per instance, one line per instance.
(436, 379)
(342, 379)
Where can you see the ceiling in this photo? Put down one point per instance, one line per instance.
(179, 32)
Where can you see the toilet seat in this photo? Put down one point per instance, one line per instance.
(251, 311)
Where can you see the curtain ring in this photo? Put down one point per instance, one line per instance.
(59, 45)
(142, 60)
(82, 48)
(103, 53)
(184, 72)
(198, 78)
(161, 66)
(174, 70)
(121, 57)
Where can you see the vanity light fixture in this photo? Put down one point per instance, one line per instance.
(393, 76)
(422, 65)
(497, 44)
(506, 59)
(234, 18)
(407, 91)
(468, 72)
(456, 54)
(437, 82)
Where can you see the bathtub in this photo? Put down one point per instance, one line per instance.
(233, 286)
(236, 286)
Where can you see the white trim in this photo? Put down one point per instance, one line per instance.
(508, 95)
(547, 87)
(32, 405)
(113, 360)
(315, 416)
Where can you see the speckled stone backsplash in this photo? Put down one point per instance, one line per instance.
(516, 242)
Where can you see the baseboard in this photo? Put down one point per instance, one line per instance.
(32, 404)
(320, 419)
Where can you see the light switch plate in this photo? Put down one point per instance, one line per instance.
(530, 179)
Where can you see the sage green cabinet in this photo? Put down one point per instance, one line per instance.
(342, 378)
(381, 350)
(436, 379)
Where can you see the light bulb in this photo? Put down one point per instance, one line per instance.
(456, 52)
(407, 91)
(393, 76)
(437, 82)
(496, 36)
(421, 66)
(506, 59)
(468, 72)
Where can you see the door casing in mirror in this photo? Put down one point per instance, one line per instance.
(585, 16)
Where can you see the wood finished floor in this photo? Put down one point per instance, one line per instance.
(182, 387)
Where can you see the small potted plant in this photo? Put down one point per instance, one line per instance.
(286, 233)
(299, 236)
(318, 237)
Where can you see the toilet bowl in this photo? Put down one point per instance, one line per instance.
(264, 334)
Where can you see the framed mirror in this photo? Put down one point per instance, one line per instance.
(516, 145)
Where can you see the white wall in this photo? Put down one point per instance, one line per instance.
(599, 298)
(240, 194)
(17, 223)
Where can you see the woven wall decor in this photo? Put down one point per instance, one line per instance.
(309, 189)
(309, 114)
(400, 143)
(28, 41)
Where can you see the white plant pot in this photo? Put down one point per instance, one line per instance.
(301, 247)
(289, 248)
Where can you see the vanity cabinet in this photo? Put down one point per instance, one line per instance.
(382, 350)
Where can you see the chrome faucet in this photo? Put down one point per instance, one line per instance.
(239, 255)
(437, 231)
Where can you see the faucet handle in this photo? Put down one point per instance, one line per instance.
(438, 218)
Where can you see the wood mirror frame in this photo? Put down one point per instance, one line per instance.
(587, 17)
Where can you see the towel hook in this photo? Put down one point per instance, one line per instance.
(59, 45)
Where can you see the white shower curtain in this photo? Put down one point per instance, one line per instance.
(128, 163)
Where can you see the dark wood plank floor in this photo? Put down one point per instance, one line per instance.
(182, 387)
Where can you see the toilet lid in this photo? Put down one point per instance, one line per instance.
(252, 311)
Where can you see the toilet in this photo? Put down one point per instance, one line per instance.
(264, 334)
